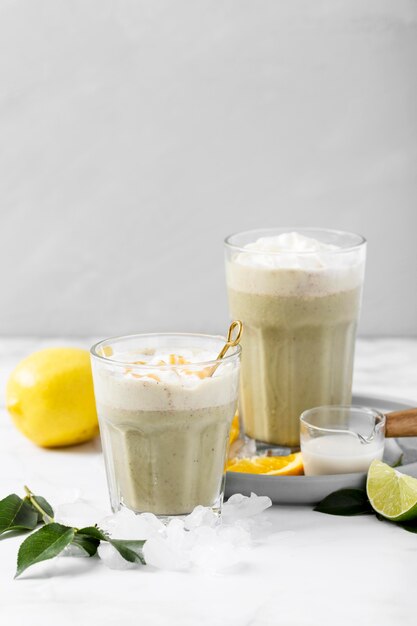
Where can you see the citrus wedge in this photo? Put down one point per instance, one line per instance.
(290, 465)
(391, 494)
(234, 429)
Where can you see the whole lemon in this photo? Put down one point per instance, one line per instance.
(50, 397)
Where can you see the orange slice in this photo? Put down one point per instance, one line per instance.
(234, 429)
(290, 465)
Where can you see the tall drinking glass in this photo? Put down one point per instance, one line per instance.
(298, 295)
(165, 406)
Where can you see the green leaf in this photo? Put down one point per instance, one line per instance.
(45, 543)
(411, 526)
(346, 502)
(16, 514)
(44, 504)
(129, 549)
(87, 544)
(94, 532)
(399, 461)
(88, 539)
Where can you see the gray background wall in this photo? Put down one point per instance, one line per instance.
(135, 135)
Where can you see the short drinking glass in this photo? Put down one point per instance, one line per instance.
(165, 407)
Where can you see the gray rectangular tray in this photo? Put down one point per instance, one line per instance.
(312, 489)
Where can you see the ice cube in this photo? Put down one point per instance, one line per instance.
(73, 550)
(152, 522)
(175, 532)
(112, 559)
(238, 506)
(201, 516)
(78, 513)
(236, 535)
(204, 535)
(126, 524)
(243, 448)
(163, 555)
(170, 549)
(198, 541)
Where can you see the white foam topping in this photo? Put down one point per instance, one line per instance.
(155, 380)
(293, 264)
(295, 243)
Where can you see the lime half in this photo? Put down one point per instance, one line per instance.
(391, 494)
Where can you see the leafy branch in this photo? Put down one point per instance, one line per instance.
(44, 509)
(24, 515)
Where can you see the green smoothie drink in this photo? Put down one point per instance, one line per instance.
(298, 295)
(165, 414)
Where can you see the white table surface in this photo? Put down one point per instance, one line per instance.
(309, 569)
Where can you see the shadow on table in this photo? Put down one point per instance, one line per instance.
(62, 567)
(89, 447)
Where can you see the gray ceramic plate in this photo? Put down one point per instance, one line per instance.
(312, 489)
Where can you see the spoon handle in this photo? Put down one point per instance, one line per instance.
(401, 423)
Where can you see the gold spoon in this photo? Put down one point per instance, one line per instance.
(233, 338)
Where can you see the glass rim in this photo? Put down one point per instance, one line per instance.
(361, 240)
(235, 354)
(379, 416)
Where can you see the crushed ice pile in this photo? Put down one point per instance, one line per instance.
(198, 541)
